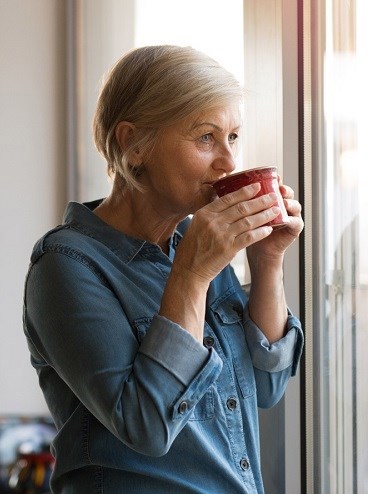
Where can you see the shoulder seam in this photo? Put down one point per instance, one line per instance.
(77, 256)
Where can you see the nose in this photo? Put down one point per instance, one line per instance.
(224, 162)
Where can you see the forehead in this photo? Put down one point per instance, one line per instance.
(225, 118)
(222, 117)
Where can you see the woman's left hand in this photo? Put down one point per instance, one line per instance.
(275, 245)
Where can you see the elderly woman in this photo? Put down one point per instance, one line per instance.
(151, 357)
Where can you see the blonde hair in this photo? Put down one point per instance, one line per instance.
(154, 87)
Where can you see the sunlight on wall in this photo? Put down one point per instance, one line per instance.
(209, 25)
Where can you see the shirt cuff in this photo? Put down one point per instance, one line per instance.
(277, 356)
(168, 344)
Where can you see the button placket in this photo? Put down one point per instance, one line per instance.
(228, 311)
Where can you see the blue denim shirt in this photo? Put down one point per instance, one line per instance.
(139, 404)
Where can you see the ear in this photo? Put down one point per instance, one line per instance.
(124, 133)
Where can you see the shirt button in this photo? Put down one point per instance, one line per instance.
(183, 407)
(244, 464)
(231, 404)
(208, 341)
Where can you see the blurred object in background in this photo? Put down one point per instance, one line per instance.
(25, 460)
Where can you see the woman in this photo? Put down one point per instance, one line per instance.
(151, 358)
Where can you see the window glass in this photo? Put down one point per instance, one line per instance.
(344, 315)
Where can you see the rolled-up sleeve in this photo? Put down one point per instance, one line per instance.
(277, 356)
(158, 344)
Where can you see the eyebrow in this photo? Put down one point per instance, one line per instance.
(210, 124)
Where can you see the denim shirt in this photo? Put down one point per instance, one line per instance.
(139, 404)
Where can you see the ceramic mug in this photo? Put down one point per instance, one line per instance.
(267, 177)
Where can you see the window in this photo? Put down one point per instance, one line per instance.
(336, 200)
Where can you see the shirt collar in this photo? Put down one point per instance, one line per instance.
(80, 217)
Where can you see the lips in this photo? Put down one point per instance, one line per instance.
(211, 182)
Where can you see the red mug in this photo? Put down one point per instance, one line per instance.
(267, 177)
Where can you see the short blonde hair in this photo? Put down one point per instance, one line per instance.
(153, 87)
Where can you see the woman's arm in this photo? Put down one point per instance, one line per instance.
(267, 305)
(81, 331)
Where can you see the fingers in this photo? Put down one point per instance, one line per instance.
(242, 203)
(295, 226)
(294, 211)
(252, 222)
(241, 195)
(225, 226)
(293, 207)
(240, 212)
(286, 191)
(249, 210)
(247, 238)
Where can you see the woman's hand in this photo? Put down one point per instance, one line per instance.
(275, 245)
(222, 228)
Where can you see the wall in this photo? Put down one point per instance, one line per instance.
(32, 181)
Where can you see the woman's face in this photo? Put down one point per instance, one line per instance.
(189, 156)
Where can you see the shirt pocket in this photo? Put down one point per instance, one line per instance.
(228, 311)
(205, 408)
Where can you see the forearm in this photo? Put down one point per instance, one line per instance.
(267, 305)
(184, 301)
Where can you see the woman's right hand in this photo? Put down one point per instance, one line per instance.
(221, 229)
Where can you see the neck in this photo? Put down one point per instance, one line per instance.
(131, 213)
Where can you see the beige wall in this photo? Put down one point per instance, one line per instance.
(32, 177)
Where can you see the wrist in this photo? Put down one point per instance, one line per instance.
(184, 301)
(264, 265)
(188, 280)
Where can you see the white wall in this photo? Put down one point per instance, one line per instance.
(32, 181)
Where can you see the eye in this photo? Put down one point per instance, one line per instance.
(233, 137)
(206, 138)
